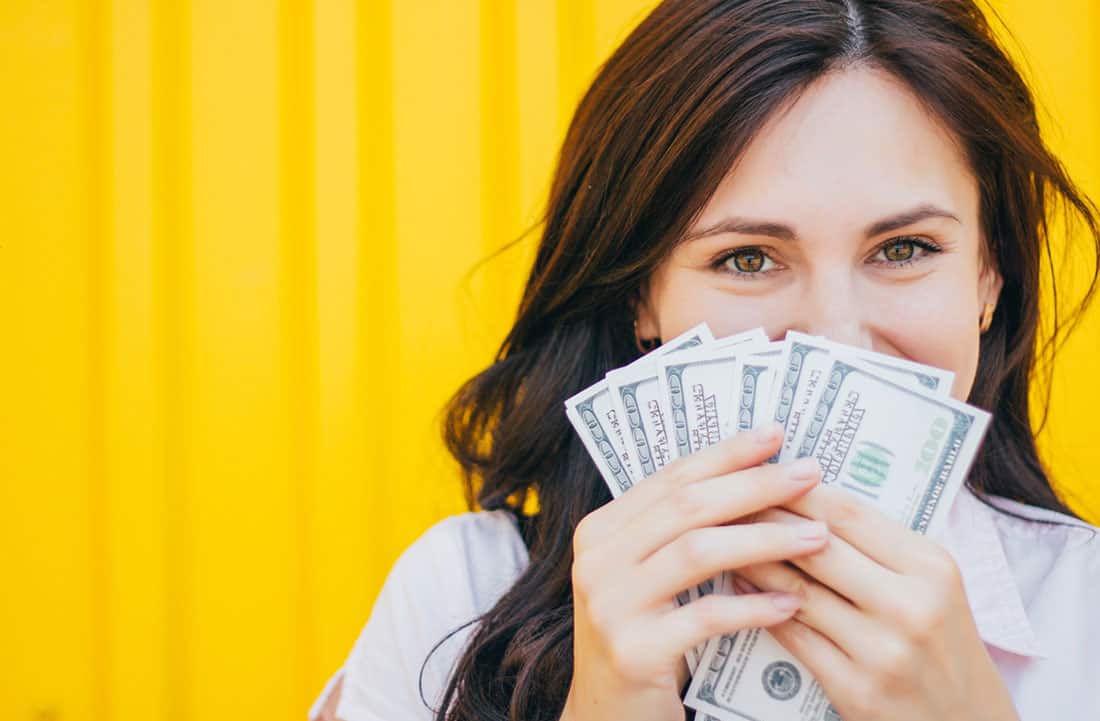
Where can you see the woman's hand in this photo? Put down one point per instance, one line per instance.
(884, 624)
(633, 555)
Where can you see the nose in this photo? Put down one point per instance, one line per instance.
(831, 307)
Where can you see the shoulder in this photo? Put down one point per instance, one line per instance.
(427, 608)
(479, 554)
(1054, 556)
(1063, 535)
(451, 575)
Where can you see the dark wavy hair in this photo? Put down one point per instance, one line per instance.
(662, 122)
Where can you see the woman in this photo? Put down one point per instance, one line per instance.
(871, 171)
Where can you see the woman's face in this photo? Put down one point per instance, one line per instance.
(852, 215)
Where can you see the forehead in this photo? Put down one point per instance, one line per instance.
(854, 146)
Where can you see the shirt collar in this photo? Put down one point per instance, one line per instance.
(972, 539)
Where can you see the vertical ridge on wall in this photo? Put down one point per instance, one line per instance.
(377, 342)
(173, 270)
(576, 55)
(500, 154)
(298, 271)
(95, 37)
(341, 520)
(438, 226)
(136, 491)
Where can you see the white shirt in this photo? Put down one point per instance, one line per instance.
(1034, 590)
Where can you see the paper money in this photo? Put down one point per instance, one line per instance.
(882, 428)
(635, 396)
(601, 430)
(696, 390)
(904, 450)
(801, 366)
(753, 377)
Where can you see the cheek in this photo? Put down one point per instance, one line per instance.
(935, 326)
(685, 301)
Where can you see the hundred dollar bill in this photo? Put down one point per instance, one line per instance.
(696, 389)
(753, 379)
(635, 397)
(600, 428)
(903, 449)
(799, 381)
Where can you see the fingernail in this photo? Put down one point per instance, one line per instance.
(812, 530)
(786, 602)
(768, 433)
(804, 469)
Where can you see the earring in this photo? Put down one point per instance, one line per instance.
(986, 318)
(644, 346)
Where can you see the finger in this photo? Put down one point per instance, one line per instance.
(831, 667)
(845, 570)
(742, 450)
(849, 629)
(886, 540)
(703, 553)
(714, 501)
(680, 629)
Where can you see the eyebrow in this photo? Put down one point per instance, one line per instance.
(748, 226)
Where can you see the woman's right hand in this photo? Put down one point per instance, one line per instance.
(683, 525)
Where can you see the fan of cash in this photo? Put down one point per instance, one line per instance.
(881, 427)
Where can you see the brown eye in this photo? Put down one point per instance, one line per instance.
(898, 250)
(749, 260)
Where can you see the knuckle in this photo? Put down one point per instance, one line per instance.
(602, 617)
(695, 548)
(708, 616)
(921, 620)
(864, 698)
(585, 575)
(686, 503)
(623, 658)
(586, 533)
(845, 512)
(894, 664)
(676, 474)
(942, 566)
(794, 583)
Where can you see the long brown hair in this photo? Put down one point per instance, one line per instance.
(661, 124)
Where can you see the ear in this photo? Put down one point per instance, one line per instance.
(644, 316)
(990, 283)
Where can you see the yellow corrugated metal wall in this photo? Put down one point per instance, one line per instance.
(232, 298)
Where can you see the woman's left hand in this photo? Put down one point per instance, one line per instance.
(884, 625)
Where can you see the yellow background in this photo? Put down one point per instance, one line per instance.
(233, 296)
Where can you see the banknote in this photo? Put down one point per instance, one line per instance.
(635, 397)
(696, 390)
(903, 449)
(753, 377)
(799, 381)
(600, 428)
(881, 427)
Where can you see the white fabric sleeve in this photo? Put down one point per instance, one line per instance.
(450, 575)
